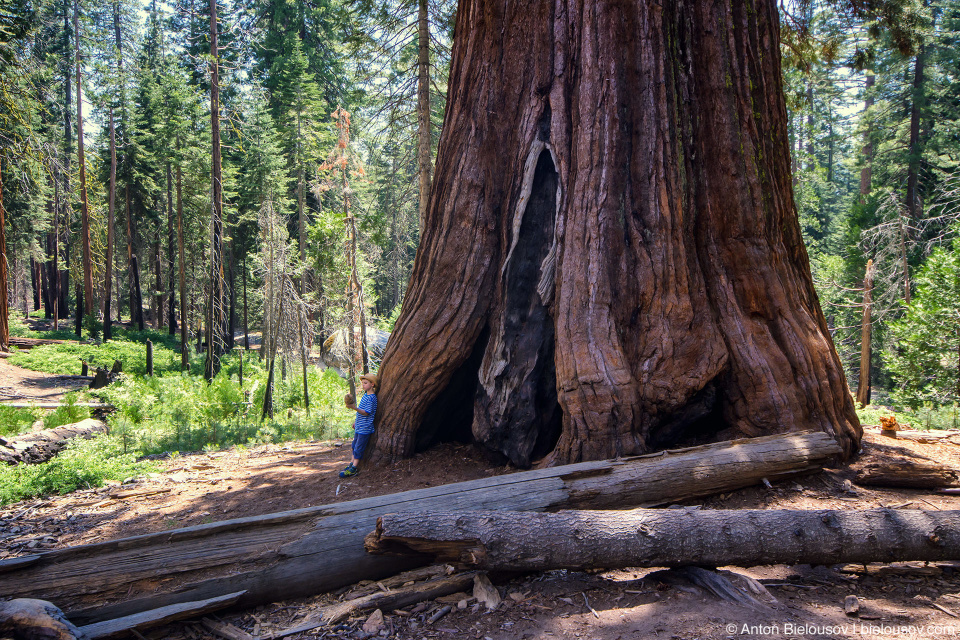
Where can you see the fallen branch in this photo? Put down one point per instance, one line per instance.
(910, 474)
(225, 630)
(308, 551)
(498, 540)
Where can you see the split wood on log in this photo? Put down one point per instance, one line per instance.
(499, 540)
(40, 446)
(307, 551)
(121, 627)
(402, 597)
(29, 619)
(911, 474)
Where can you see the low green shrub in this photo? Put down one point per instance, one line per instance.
(65, 359)
(66, 414)
(84, 463)
(14, 421)
(20, 329)
(926, 416)
(182, 412)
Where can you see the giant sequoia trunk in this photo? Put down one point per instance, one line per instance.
(611, 260)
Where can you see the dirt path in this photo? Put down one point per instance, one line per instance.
(24, 385)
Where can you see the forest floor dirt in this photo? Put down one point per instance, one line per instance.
(907, 600)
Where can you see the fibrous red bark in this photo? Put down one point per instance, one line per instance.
(611, 260)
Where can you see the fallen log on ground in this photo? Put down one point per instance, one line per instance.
(908, 474)
(511, 541)
(307, 551)
(57, 405)
(29, 343)
(40, 446)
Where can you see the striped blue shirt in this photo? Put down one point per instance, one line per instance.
(368, 403)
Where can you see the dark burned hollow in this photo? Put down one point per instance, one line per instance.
(521, 419)
(516, 416)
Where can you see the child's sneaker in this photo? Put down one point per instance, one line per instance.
(349, 471)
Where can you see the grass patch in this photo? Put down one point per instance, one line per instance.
(83, 464)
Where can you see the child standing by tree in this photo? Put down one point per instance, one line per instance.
(363, 425)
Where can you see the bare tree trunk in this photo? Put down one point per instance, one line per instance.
(524, 541)
(84, 208)
(158, 286)
(63, 279)
(246, 327)
(423, 109)
(35, 281)
(904, 264)
(353, 283)
(863, 388)
(217, 341)
(184, 356)
(51, 273)
(171, 289)
(111, 208)
(916, 108)
(611, 260)
(4, 302)
(55, 253)
(136, 295)
(866, 172)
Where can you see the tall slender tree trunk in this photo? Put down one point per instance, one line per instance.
(111, 214)
(866, 153)
(424, 165)
(4, 302)
(915, 150)
(246, 327)
(35, 283)
(612, 260)
(302, 212)
(136, 293)
(863, 387)
(216, 345)
(353, 282)
(84, 207)
(158, 286)
(55, 263)
(184, 356)
(232, 319)
(52, 274)
(904, 264)
(171, 290)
